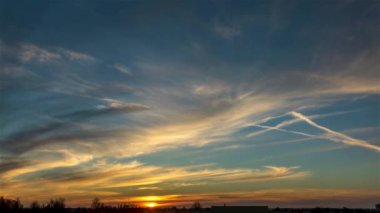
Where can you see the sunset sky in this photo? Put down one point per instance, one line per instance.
(238, 102)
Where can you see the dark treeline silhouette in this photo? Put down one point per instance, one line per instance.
(10, 204)
(58, 205)
(323, 210)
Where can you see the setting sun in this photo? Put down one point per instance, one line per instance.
(151, 205)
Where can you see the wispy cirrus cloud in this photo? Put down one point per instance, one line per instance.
(92, 178)
(41, 160)
(30, 53)
(122, 68)
(73, 55)
(56, 130)
(9, 165)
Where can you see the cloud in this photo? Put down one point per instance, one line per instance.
(279, 127)
(149, 188)
(66, 127)
(296, 198)
(73, 84)
(117, 104)
(361, 130)
(347, 84)
(285, 198)
(213, 175)
(196, 129)
(85, 175)
(44, 159)
(116, 107)
(230, 147)
(210, 89)
(32, 53)
(195, 101)
(122, 68)
(336, 136)
(13, 71)
(227, 31)
(331, 135)
(9, 165)
(72, 55)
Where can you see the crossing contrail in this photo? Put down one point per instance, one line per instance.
(336, 136)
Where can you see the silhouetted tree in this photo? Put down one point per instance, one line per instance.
(9, 204)
(56, 205)
(35, 205)
(196, 205)
(96, 204)
(127, 205)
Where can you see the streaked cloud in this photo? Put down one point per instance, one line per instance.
(122, 68)
(96, 178)
(336, 136)
(57, 130)
(28, 52)
(72, 55)
(308, 198)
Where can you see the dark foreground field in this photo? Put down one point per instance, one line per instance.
(58, 206)
(174, 210)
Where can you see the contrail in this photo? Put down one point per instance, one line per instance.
(336, 136)
(287, 123)
(284, 130)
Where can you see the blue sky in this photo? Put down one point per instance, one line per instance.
(237, 102)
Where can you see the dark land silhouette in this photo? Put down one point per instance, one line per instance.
(58, 205)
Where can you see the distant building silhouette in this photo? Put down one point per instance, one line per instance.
(378, 207)
(239, 209)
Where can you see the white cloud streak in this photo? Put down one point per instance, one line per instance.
(337, 136)
(72, 55)
(32, 53)
(122, 68)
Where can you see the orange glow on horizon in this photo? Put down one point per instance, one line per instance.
(151, 205)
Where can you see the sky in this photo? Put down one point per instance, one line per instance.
(237, 102)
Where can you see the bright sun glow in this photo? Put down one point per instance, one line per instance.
(151, 205)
